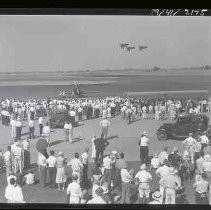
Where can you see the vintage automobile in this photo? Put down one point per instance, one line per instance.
(57, 118)
(185, 124)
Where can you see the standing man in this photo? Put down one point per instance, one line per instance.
(68, 129)
(201, 187)
(13, 128)
(18, 126)
(76, 166)
(144, 147)
(100, 145)
(74, 192)
(80, 113)
(189, 144)
(31, 129)
(172, 185)
(204, 141)
(46, 132)
(26, 153)
(105, 123)
(72, 116)
(51, 164)
(42, 169)
(40, 121)
(84, 160)
(8, 161)
(17, 152)
(143, 178)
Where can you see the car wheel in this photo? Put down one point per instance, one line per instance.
(162, 135)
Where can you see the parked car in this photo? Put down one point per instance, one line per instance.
(185, 124)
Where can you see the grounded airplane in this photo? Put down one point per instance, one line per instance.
(124, 45)
(76, 92)
(142, 47)
(130, 48)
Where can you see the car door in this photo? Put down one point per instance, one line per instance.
(183, 126)
(198, 123)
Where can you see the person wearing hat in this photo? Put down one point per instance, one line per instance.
(97, 199)
(42, 169)
(144, 147)
(189, 144)
(18, 126)
(143, 178)
(60, 171)
(201, 187)
(74, 192)
(84, 160)
(172, 184)
(157, 198)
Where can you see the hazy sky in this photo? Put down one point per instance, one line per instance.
(42, 43)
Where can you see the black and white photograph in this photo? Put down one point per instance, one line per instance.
(105, 109)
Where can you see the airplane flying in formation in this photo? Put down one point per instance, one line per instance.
(124, 45)
(142, 47)
(129, 48)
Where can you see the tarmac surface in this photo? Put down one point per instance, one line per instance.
(122, 137)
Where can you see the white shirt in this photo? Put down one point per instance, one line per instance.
(163, 156)
(163, 171)
(204, 139)
(41, 160)
(143, 176)
(68, 126)
(25, 145)
(29, 178)
(40, 120)
(7, 156)
(76, 164)
(17, 151)
(46, 130)
(74, 190)
(144, 141)
(13, 123)
(190, 141)
(125, 175)
(51, 161)
(9, 193)
(155, 162)
(72, 113)
(18, 195)
(31, 123)
(107, 162)
(18, 123)
(105, 123)
(84, 158)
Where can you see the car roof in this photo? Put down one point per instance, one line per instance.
(191, 115)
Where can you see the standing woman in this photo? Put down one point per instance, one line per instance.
(60, 174)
